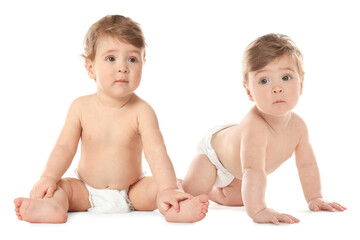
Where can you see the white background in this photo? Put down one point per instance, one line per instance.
(193, 80)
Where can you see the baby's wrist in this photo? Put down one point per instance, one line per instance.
(47, 178)
(165, 187)
(168, 189)
(253, 213)
(313, 198)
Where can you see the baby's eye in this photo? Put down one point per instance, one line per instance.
(132, 60)
(264, 81)
(110, 59)
(286, 78)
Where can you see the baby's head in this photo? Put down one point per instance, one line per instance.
(273, 74)
(115, 26)
(266, 49)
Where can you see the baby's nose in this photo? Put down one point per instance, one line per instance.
(277, 89)
(123, 69)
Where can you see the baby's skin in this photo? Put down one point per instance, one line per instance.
(115, 127)
(267, 136)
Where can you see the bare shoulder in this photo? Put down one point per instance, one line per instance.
(254, 128)
(146, 116)
(140, 103)
(79, 104)
(297, 119)
(142, 107)
(254, 122)
(76, 111)
(299, 124)
(254, 141)
(84, 100)
(76, 106)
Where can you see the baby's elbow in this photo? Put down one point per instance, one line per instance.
(254, 170)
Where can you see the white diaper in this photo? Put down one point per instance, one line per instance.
(223, 178)
(108, 200)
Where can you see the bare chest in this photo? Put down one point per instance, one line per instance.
(279, 149)
(109, 128)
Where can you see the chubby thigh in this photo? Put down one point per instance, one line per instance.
(143, 193)
(200, 177)
(77, 194)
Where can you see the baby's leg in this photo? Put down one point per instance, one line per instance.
(143, 195)
(70, 195)
(229, 195)
(200, 177)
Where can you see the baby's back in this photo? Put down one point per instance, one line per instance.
(280, 144)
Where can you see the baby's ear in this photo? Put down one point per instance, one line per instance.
(89, 65)
(248, 91)
(301, 83)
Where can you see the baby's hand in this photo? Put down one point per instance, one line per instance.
(45, 187)
(270, 216)
(318, 204)
(170, 198)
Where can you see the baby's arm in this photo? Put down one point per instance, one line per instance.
(253, 155)
(158, 159)
(307, 168)
(309, 175)
(253, 149)
(62, 154)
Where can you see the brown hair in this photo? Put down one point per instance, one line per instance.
(117, 26)
(267, 48)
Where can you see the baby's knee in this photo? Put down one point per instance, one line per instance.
(65, 184)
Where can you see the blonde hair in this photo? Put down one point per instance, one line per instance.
(117, 26)
(267, 48)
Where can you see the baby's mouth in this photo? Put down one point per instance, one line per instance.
(121, 81)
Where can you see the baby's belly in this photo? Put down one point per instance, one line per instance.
(103, 174)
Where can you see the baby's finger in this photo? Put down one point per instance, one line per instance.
(50, 192)
(337, 206)
(37, 194)
(32, 194)
(183, 196)
(174, 203)
(314, 207)
(274, 220)
(295, 220)
(327, 207)
(41, 196)
(284, 218)
(163, 207)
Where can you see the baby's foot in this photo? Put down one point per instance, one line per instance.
(39, 211)
(191, 210)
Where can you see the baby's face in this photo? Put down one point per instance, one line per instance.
(276, 88)
(117, 67)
